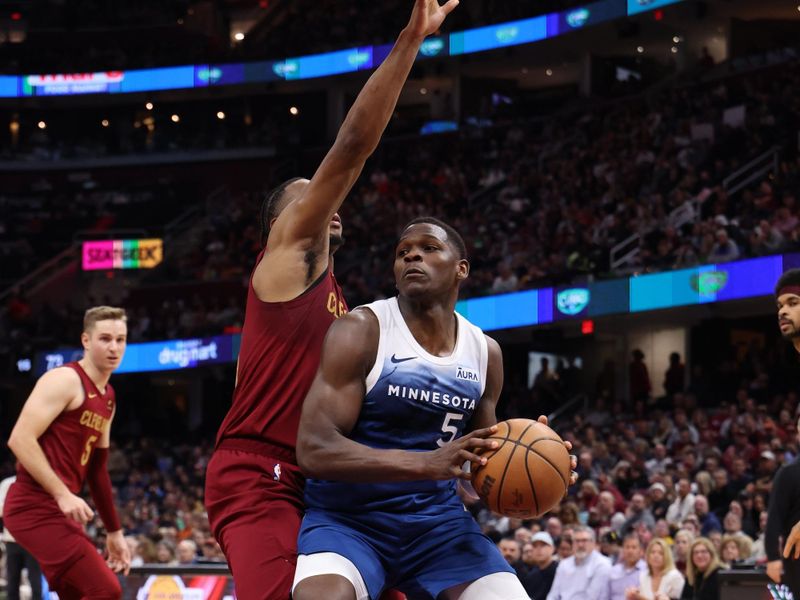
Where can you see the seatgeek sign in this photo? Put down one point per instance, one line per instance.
(122, 254)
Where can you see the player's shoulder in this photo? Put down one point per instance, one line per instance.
(358, 322)
(60, 376)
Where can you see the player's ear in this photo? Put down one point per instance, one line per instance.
(462, 269)
(85, 339)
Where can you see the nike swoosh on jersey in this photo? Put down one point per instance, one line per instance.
(396, 360)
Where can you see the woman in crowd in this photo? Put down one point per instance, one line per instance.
(661, 580)
(683, 539)
(702, 572)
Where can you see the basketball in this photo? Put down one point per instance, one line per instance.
(528, 474)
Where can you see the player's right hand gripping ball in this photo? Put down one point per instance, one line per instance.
(527, 474)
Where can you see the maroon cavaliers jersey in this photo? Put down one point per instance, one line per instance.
(70, 439)
(279, 355)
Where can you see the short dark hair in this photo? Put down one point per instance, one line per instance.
(790, 277)
(453, 237)
(632, 536)
(269, 206)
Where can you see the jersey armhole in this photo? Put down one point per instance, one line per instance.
(484, 358)
(375, 372)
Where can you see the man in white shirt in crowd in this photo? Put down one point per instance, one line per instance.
(625, 573)
(584, 575)
(683, 506)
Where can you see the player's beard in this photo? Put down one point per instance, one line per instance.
(335, 242)
(792, 333)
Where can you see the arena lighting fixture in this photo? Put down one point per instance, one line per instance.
(674, 49)
(149, 106)
(640, 49)
(549, 72)
(175, 118)
(104, 122)
(42, 125)
(238, 36)
(220, 115)
(676, 38)
(423, 91)
(294, 111)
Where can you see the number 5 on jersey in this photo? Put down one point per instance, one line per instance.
(87, 451)
(448, 427)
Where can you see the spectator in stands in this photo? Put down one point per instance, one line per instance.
(639, 377)
(187, 552)
(683, 505)
(675, 376)
(708, 520)
(680, 549)
(736, 548)
(660, 580)
(165, 553)
(759, 552)
(565, 547)
(542, 567)
(506, 280)
(724, 250)
(510, 549)
(637, 512)
(659, 503)
(625, 573)
(702, 572)
(766, 239)
(584, 575)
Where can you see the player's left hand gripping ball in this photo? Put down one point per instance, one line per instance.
(573, 460)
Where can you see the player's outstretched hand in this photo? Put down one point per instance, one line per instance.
(793, 542)
(428, 16)
(573, 460)
(447, 461)
(75, 508)
(119, 554)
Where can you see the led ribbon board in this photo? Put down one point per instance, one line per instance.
(503, 35)
(168, 355)
(122, 254)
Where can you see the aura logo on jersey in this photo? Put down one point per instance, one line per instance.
(467, 374)
(122, 254)
(573, 301)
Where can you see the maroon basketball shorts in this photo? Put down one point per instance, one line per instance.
(255, 505)
(69, 560)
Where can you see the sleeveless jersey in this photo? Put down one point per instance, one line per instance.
(278, 358)
(69, 441)
(414, 401)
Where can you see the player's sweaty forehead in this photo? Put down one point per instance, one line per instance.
(424, 229)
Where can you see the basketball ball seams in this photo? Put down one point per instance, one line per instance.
(508, 464)
(501, 439)
(533, 487)
(549, 462)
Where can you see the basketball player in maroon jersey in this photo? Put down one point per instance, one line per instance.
(60, 440)
(254, 489)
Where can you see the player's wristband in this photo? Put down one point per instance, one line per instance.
(100, 486)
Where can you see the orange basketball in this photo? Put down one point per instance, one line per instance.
(528, 474)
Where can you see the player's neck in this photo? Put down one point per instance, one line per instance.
(98, 377)
(796, 344)
(432, 325)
